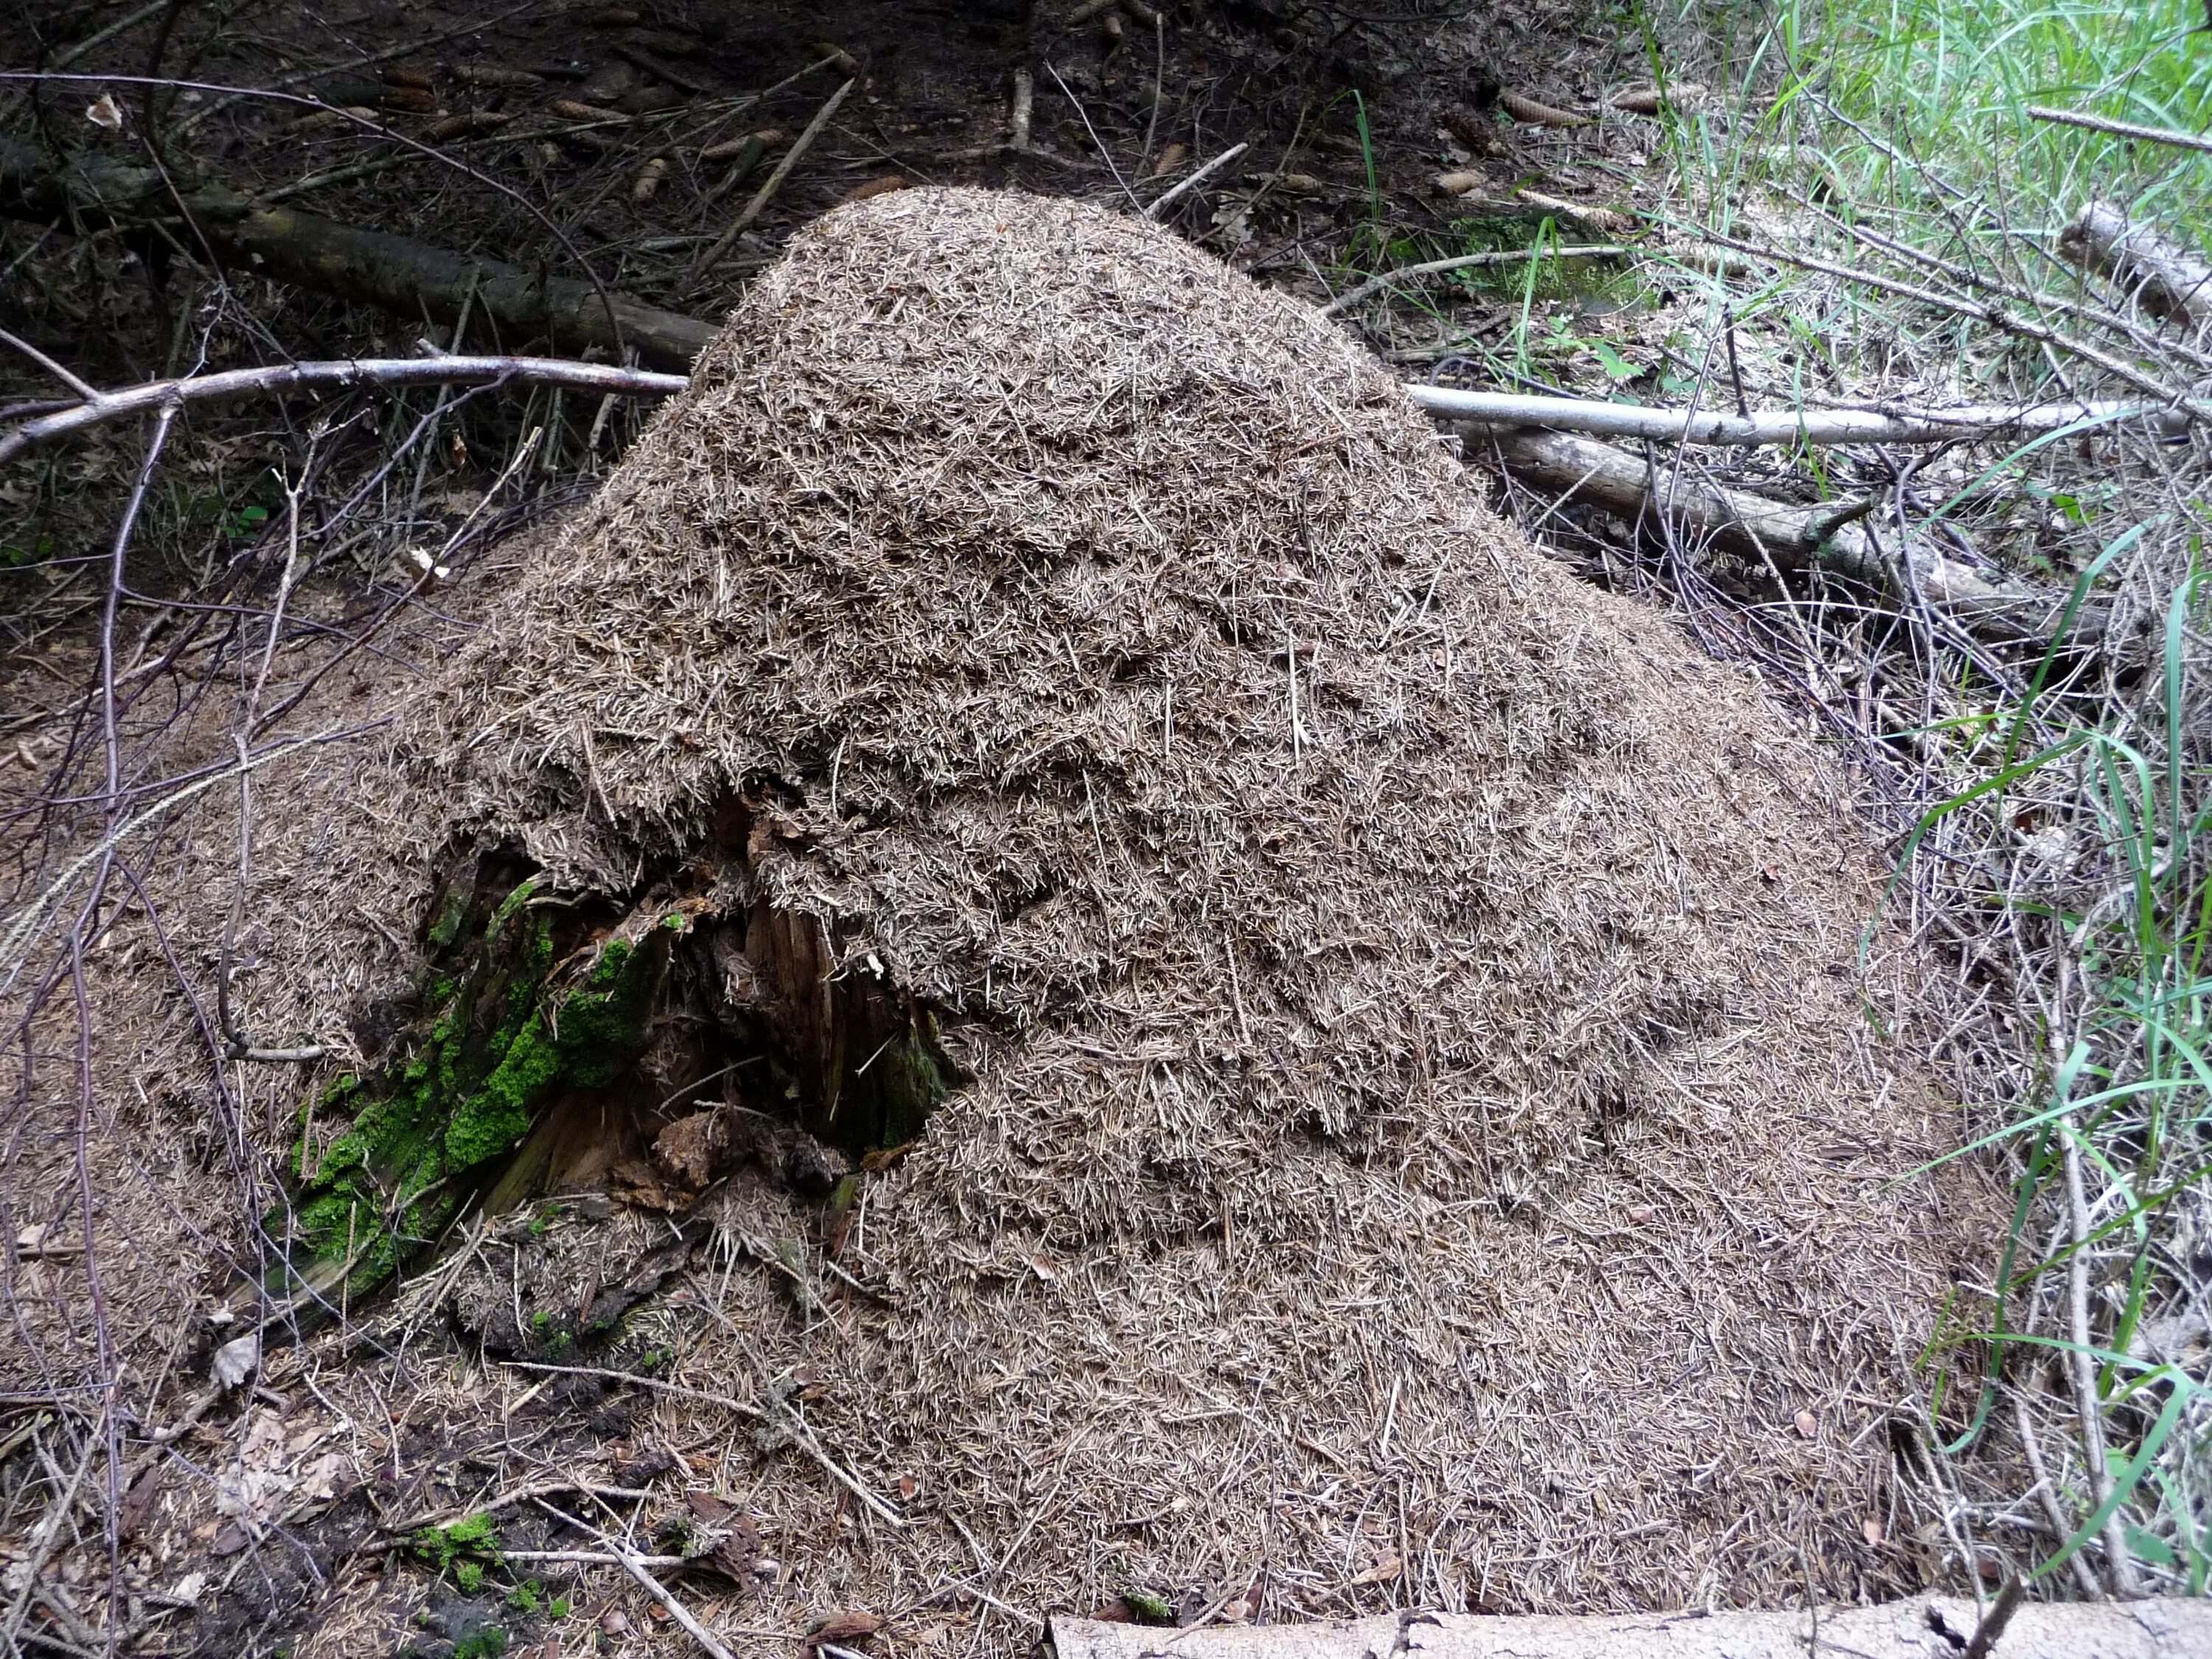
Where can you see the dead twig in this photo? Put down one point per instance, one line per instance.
(281, 378)
(766, 193)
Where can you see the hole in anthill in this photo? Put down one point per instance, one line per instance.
(651, 1042)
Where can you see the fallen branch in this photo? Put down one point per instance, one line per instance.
(279, 378)
(2120, 128)
(402, 276)
(1196, 179)
(1898, 1630)
(1795, 538)
(766, 193)
(634, 1564)
(1464, 262)
(2165, 278)
(1498, 411)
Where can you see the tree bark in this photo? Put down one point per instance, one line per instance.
(1931, 1628)
(407, 278)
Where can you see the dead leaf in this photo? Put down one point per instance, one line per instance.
(1871, 1530)
(1641, 1214)
(690, 1149)
(908, 1486)
(1170, 159)
(1809, 1423)
(105, 112)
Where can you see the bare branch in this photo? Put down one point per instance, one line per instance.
(279, 378)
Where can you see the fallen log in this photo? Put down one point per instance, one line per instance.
(1795, 538)
(1498, 412)
(397, 273)
(1936, 1627)
(2167, 278)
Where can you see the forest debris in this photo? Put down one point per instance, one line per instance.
(1651, 98)
(1522, 107)
(402, 275)
(406, 75)
(466, 123)
(413, 100)
(1110, 28)
(1020, 109)
(2160, 273)
(1611, 221)
(2134, 130)
(1085, 12)
(1795, 538)
(763, 196)
(1477, 132)
(653, 65)
(575, 110)
(496, 74)
(1461, 261)
(105, 112)
(1150, 16)
(1169, 159)
(648, 182)
(766, 138)
(236, 1360)
(870, 188)
(1462, 183)
(837, 58)
(613, 17)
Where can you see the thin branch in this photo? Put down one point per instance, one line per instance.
(1498, 412)
(2069, 118)
(106, 406)
(1196, 179)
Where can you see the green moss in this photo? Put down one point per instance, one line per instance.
(500, 1046)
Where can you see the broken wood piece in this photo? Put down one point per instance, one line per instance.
(1912, 1629)
(1024, 106)
(1522, 107)
(2161, 274)
(747, 155)
(1794, 538)
(763, 196)
(1463, 262)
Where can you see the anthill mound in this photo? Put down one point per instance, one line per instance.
(1411, 1131)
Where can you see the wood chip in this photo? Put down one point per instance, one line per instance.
(1522, 107)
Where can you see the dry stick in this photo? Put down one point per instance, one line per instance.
(1504, 410)
(766, 193)
(1197, 177)
(634, 1564)
(2047, 1495)
(1993, 1622)
(1464, 262)
(1023, 111)
(2120, 128)
(339, 372)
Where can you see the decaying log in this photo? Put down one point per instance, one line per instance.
(1795, 538)
(1505, 410)
(408, 277)
(2167, 278)
(1935, 1628)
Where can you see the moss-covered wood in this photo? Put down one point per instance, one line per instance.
(508, 1025)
